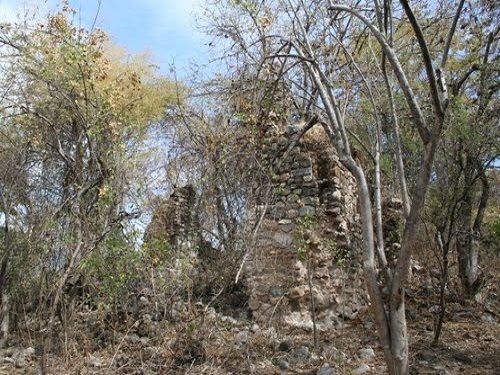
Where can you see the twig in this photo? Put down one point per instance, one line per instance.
(249, 249)
(275, 307)
(136, 323)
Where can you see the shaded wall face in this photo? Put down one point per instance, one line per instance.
(311, 221)
(174, 220)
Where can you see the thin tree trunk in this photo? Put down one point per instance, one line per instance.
(466, 260)
(469, 237)
(399, 336)
(376, 299)
(5, 318)
(444, 248)
(4, 295)
(57, 297)
(400, 169)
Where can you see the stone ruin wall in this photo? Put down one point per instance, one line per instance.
(174, 224)
(309, 185)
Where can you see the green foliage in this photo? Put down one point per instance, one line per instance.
(341, 256)
(79, 112)
(115, 265)
(303, 241)
(279, 190)
(387, 165)
(158, 250)
(494, 229)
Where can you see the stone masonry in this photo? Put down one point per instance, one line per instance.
(314, 208)
(174, 221)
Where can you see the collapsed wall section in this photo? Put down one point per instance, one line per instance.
(309, 236)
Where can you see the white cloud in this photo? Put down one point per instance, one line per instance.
(16, 10)
(8, 11)
(170, 14)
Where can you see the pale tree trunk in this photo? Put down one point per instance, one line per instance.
(369, 267)
(398, 329)
(390, 321)
(5, 318)
(4, 264)
(468, 238)
(4, 299)
(384, 20)
(400, 169)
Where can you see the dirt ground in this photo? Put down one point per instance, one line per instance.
(470, 344)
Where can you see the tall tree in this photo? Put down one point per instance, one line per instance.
(76, 109)
(319, 50)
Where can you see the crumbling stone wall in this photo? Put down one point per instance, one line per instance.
(175, 220)
(310, 234)
(310, 181)
(315, 204)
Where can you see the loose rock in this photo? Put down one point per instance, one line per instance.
(363, 369)
(326, 370)
(94, 361)
(366, 354)
(300, 354)
(241, 338)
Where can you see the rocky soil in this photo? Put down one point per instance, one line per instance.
(199, 340)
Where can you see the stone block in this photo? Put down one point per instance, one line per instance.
(310, 201)
(292, 214)
(305, 163)
(307, 211)
(282, 240)
(336, 195)
(302, 172)
(282, 141)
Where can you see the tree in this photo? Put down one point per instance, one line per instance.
(469, 147)
(76, 109)
(315, 48)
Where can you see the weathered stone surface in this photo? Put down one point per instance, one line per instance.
(292, 214)
(283, 365)
(282, 239)
(22, 357)
(297, 293)
(174, 218)
(94, 361)
(276, 292)
(241, 338)
(307, 211)
(301, 354)
(326, 370)
(363, 369)
(366, 354)
(302, 172)
(302, 320)
(310, 183)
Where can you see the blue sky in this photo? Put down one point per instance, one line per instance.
(166, 28)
